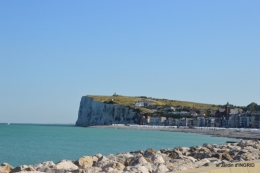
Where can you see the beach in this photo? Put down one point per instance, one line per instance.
(229, 133)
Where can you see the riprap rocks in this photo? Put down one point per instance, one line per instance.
(98, 113)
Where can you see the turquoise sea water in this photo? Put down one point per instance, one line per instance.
(32, 144)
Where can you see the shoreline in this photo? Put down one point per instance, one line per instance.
(245, 135)
(210, 157)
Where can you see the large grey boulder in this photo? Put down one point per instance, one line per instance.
(200, 163)
(200, 152)
(182, 150)
(245, 143)
(108, 165)
(174, 154)
(165, 157)
(175, 163)
(207, 145)
(201, 155)
(135, 169)
(256, 146)
(111, 157)
(44, 167)
(213, 161)
(3, 171)
(160, 168)
(150, 167)
(192, 159)
(244, 156)
(223, 155)
(123, 158)
(23, 168)
(226, 156)
(138, 152)
(5, 167)
(85, 161)
(112, 164)
(150, 152)
(137, 160)
(95, 158)
(157, 159)
(87, 170)
(101, 161)
(66, 165)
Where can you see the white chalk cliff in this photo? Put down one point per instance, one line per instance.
(98, 113)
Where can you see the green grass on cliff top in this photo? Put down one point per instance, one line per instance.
(129, 101)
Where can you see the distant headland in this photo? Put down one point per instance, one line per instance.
(142, 110)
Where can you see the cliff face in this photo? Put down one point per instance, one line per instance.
(97, 113)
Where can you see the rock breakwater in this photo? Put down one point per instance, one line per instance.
(150, 160)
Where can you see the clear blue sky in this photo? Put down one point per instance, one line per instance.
(54, 52)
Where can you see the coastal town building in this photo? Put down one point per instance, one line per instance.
(212, 112)
(182, 122)
(202, 112)
(223, 112)
(157, 120)
(198, 122)
(244, 121)
(169, 108)
(234, 121)
(171, 122)
(143, 103)
(210, 122)
(225, 117)
(256, 120)
(184, 113)
(193, 113)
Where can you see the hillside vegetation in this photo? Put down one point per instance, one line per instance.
(129, 101)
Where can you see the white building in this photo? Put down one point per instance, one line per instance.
(143, 103)
(169, 108)
(157, 120)
(184, 113)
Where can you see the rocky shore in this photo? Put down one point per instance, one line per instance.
(150, 160)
